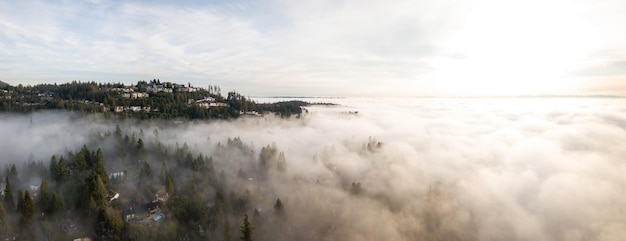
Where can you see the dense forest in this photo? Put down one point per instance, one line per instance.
(145, 100)
(65, 176)
(131, 186)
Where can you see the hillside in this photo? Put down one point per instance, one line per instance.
(144, 100)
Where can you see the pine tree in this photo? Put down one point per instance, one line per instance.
(62, 172)
(8, 195)
(282, 163)
(118, 132)
(20, 201)
(246, 229)
(43, 198)
(169, 185)
(99, 167)
(56, 204)
(4, 222)
(28, 207)
(278, 207)
(140, 147)
(146, 171)
(54, 167)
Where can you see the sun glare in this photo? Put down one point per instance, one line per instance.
(524, 47)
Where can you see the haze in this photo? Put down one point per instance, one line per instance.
(447, 169)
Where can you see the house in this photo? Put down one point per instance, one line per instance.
(252, 113)
(135, 95)
(34, 189)
(116, 175)
(112, 196)
(218, 104)
(162, 195)
(129, 213)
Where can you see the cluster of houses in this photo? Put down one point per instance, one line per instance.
(146, 109)
(154, 87)
(135, 95)
(5, 94)
(207, 102)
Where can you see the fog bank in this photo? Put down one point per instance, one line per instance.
(428, 169)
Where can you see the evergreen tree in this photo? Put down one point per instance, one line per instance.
(28, 207)
(169, 185)
(99, 167)
(56, 204)
(61, 172)
(53, 166)
(8, 195)
(282, 163)
(246, 229)
(118, 132)
(146, 171)
(20, 201)
(13, 172)
(278, 207)
(140, 147)
(43, 198)
(4, 222)
(95, 195)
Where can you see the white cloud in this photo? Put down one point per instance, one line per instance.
(319, 47)
(499, 169)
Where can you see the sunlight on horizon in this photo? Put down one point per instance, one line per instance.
(522, 48)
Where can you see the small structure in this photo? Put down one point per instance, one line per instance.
(116, 175)
(82, 239)
(112, 196)
(69, 226)
(162, 195)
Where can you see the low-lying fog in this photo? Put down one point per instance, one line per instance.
(446, 169)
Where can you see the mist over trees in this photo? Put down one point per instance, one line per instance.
(423, 170)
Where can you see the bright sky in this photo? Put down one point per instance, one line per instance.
(323, 47)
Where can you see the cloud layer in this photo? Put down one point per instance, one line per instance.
(470, 169)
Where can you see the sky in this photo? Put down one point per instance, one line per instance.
(323, 47)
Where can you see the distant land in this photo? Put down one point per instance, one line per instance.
(144, 100)
(3, 84)
(304, 97)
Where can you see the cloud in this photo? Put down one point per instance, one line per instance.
(347, 47)
(472, 169)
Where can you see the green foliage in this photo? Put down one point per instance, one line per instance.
(91, 97)
(170, 188)
(57, 204)
(246, 229)
(145, 172)
(28, 207)
(4, 221)
(98, 168)
(95, 194)
(44, 198)
(20, 201)
(8, 194)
